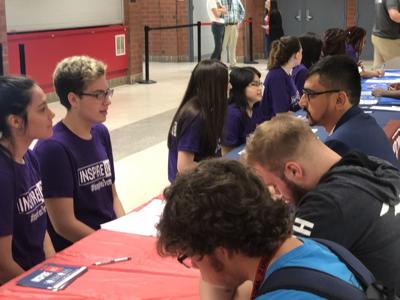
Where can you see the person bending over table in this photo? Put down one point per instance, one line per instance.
(393, 91)
(77, 161)
(24, 116)
(352, 200)
(221, 219)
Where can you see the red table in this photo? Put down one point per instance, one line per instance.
(145, 276)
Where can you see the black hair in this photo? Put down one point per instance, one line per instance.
(240, 78)
(312, 46)
(221, 203)
(206, 98)
(334, 42)
(15, 96)
(282, 50)
(339, 72)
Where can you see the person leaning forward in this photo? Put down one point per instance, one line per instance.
(353, 200)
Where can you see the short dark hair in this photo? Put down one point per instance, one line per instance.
(339, 72)
(221, 203)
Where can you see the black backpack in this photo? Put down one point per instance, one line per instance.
(323, 284)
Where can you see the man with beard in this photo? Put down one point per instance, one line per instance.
(352, 200)
(330, 97)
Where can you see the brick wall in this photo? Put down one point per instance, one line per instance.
(3, 35)
(351, 12)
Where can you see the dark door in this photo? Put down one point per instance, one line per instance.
(292, 16)
(301, 16)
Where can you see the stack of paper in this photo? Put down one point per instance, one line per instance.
(141, 222)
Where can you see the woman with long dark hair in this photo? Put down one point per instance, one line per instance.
(24, 116)
(197, 126)
(244, 96)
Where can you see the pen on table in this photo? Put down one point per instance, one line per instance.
(111, 261)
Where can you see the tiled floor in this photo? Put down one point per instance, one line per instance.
(138, 120)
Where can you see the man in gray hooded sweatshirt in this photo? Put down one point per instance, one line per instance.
(353, 200)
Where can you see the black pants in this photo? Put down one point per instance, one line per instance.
(218, 30)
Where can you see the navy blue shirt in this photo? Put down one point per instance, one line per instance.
(357, 130)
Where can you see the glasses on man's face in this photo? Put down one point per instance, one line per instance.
(184, 260)
(255, 83)
(310, 93)
(100, 95)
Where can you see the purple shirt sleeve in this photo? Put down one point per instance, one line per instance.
(56, 170)
(233, 129)
(189, 141)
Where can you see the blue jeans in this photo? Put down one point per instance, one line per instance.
(218, 30)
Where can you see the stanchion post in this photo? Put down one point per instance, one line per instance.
(146, 57)
(1, 60)
(199, 41)
(251, 60)
(22, 65)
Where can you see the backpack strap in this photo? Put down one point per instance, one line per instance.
(363, 275)
(313, 281)
(321, 283)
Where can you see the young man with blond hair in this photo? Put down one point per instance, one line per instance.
(77, 163)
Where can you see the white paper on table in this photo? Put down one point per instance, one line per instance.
(140, 222)
(392, 74)
(389, 108)
(377, 80)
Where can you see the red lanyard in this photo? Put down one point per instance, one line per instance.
(260, 275)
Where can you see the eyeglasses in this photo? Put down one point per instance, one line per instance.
(181, 259)
(310, 93)
(100, 95)
(255, 83)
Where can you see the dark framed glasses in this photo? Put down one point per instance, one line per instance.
(100, 95)
(182, 259)
(310, 93)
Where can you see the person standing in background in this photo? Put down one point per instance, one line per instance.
(266, 26)
(275, 23)
(215, 12)
(235, 13)
(386, 32)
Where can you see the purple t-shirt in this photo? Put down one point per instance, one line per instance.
(189, 141)
(237, 126)
(299, 75)
(352, 53)
(22, 209)
(80, 169)
(280, 93)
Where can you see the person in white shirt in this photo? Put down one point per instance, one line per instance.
(215, 12)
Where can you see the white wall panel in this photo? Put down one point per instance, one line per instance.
(34, 15)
